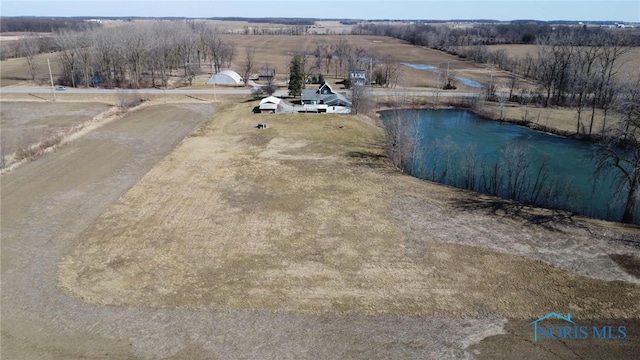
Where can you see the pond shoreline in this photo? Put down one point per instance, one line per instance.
(559, 193)
(490, 116)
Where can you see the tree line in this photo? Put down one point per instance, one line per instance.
(578, 67)
(146, 55)
(43, 24)
(141, 55)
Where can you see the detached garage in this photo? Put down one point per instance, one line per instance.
(225, 77)
(270, 104)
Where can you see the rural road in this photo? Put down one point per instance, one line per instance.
(376, 92)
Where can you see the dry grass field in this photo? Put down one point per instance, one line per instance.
(298, 239)
(27, 123)
(563, 120)
(15, 71)
(277, 52)
(44, 205)
(304, 216)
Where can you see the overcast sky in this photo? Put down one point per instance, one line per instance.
(587, 10)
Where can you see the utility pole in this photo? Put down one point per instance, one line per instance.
(214, 83)
(53, 90)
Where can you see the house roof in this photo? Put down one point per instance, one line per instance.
(310, 94)
(324, 85)
(329, 99)
(270, 99)
(337, 98)
(332, 98)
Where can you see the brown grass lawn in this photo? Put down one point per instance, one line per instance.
(305, 216)
(27, 123)
(15, 71)
(564, 120)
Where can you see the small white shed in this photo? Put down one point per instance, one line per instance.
(270, 104)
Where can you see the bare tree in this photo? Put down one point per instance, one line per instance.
(271, 86)
(387, 72)
(84, 52)
(361, 100)
(502, 98)
(185, 51)
(513, 82)
(619, 156)
(583, 79)
(222, 53)
(526, 97)
(30, 47)
(342, 51)
(67, 41)
(136, 56)
(610, 65)
(320, 54)
(135, 47)
(402, 129)
(249, 63)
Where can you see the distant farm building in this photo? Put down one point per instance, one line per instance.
(225, 77)
(357, 77)
(270, 104)
(266, 73)
(325, 100)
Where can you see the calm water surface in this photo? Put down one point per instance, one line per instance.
(462, 149)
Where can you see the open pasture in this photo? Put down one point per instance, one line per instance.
(303, 216)
(277, 52)
(301, 229)
(27, 123)
(15, 71)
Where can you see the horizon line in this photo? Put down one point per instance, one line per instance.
(241, 18)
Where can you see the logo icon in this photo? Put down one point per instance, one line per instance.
(571, 330)
(549, 315)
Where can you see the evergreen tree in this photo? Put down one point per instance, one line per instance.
(295, 76)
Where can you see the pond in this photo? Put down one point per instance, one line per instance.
(419, 66)
(468, 82)
(465, 81)
(462, 149)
